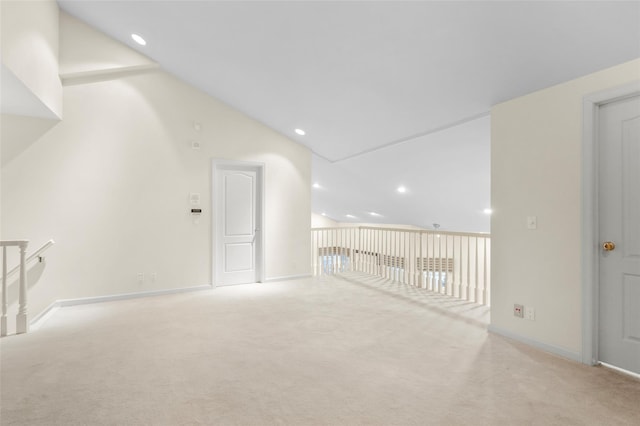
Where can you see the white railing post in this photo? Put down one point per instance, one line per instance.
(22, 325)
(5, 304)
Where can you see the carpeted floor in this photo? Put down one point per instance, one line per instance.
(354, 351)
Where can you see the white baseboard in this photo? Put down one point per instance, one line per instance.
(52, 308)
(621, 370)
(43, 316)
(574, 356)
(287, 278)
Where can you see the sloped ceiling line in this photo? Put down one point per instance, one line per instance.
(409, 138)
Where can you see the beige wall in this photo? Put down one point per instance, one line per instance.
(536, 151)
(111, 183)
(319, 221)
(29, 32)
(80, 55)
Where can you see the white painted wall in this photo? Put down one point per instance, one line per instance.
(111, 183)
(80, 55)
(536, 152)
(319, 221)
(29, 33)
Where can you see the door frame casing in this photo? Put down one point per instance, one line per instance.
(590, 244)
(218, 164)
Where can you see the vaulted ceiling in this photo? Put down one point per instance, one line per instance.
(389, 93)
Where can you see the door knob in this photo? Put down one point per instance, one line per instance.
(608, 246)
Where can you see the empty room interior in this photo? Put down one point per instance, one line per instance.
(320, 212)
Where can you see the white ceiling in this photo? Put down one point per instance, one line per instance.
(358, 76)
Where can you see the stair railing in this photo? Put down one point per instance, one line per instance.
(22, 324)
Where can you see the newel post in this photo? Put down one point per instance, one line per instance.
(22, 325)
(3, 322)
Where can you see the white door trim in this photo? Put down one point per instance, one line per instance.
(222, 164)
(590, 236)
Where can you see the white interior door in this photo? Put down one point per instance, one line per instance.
(619, 223)
(238, 212)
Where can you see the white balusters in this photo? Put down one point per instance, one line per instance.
(451, 263)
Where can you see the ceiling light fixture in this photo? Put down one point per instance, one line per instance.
(316, 185)
(350, 216)
(374, 214)
(323, 214)
(138, 39)
(402, 189)
(300, 132)
(487, 211)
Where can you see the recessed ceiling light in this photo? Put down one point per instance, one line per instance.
(487, 211)
(323, 214)
(374, 214)
(138, 39)
(316, 185)
(300, 132)
(350, 216)
(402, 189)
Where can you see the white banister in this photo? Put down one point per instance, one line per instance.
(455, 264)
(35, 255)
(5, 305)
(22, 323)
(21, 318)
(22, 326)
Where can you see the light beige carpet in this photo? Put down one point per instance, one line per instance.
(308, 352)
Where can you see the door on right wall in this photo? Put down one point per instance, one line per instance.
(619, 230)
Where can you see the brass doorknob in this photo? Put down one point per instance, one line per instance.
(608, 246)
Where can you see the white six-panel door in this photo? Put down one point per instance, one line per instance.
(237, 237)
(619, 228)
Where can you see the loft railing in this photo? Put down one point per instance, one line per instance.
(451, 263)
(22, 324)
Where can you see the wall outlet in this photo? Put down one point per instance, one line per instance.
(518, 311)
(140, 277)
(532, 222)
(530, 313)
(154, 277)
